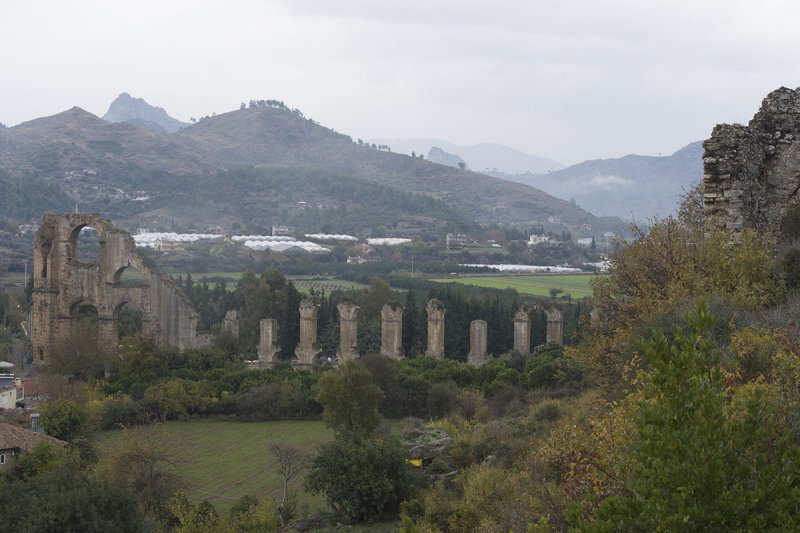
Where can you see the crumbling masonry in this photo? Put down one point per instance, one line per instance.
(522, 327)
(268, 347)
(308, 349)
(348, 331)
(392, 331)
(61, 284)
(435, 309)
(752, 173)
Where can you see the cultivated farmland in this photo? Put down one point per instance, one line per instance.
(576, 285)
(221, 461)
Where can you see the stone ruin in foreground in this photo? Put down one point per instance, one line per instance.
(752, 173)
(62, 283)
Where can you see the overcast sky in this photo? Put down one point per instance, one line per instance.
(568, 80)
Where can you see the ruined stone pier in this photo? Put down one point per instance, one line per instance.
(435, 309)
(268, 347)
(348, 331)
(478, 339)
(555, 325)
(392, 331)
(307, 350)
(522, 331)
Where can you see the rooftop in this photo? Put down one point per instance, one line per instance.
(12, 436)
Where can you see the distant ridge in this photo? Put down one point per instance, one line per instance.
(137, 112)
(126, 171)
(480, 157)
(633, 186)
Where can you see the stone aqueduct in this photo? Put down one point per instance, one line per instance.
(61, 283)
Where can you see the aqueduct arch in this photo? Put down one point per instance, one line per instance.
(61, 283)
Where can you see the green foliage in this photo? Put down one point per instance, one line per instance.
(177, 398)
(63, 419)
(362, 480)
(62, 500)
(144, 465)
(44, 457)
(350, 398)
(703, 465)
(790, 225)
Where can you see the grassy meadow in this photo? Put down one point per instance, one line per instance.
(221, 461)
(576, 285)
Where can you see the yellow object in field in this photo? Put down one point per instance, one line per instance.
(415, 462)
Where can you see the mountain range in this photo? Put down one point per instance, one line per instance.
(126, 171)
(632, 187)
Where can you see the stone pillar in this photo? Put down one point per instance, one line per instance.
(522, 331)
(307, 350)
(435, 309)
(107, 334)
(268, 347)
(392, 331)
(477, 343)
(230, 324)
(555, 325)
(348, 331)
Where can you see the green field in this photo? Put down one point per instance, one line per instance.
(221, 461)
(327, 285)
(576, 285)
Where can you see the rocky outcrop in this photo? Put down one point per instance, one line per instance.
(136, 111)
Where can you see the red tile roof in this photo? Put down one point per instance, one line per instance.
(12, 436)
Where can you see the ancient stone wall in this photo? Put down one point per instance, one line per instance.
(478, 340)
(752, 173)
(348, 331)
(435, 309)
(61, 284)
(392, 331)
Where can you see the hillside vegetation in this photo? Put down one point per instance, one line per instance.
(110, 167)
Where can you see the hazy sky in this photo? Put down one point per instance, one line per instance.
(569, 80)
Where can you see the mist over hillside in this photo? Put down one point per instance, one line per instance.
(633, 186)
(479, 157)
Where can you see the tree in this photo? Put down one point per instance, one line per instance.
(350, 398)
(708, 459)
(63, 500)
(362, 480)
(144, 466)
(43, 458)
(291, 461)
(63, 419)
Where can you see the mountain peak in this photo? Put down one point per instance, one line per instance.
(138, 112)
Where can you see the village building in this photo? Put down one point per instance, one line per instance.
(16, 441)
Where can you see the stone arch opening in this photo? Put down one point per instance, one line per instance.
(128, 317)
(85, 244)
(128, 276)
(84, 311)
